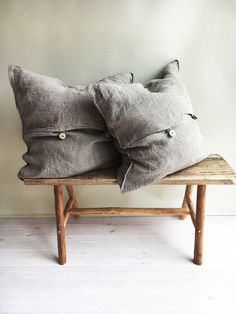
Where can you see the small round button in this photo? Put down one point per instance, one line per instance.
(62, 135)
(171, 133)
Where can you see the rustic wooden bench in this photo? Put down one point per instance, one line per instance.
(213, 170)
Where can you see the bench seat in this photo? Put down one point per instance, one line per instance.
(212, 170)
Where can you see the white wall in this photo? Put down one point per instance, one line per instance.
(81, 41)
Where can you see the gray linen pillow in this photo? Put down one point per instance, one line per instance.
(64, 132)
(154, 127)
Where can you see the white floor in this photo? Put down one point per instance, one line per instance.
(127, 265)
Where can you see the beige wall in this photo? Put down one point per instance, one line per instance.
(81, 41)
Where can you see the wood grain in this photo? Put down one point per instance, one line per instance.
(128, 211)
(212, 170)
(72, 194)
(188, 192)
(199, 224)
(192, 210)
(59, 209)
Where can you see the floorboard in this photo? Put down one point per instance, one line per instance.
(118, 265)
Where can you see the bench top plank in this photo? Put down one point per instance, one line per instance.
(212, 170)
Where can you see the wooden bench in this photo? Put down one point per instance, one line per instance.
(213, 170)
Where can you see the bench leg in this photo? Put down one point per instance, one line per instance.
(59, 209)
(72, 195)
(199, 224)
(188, 192)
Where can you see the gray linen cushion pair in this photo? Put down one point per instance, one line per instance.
(153, 127)
(63, 130)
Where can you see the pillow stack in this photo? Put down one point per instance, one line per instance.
(70, 130)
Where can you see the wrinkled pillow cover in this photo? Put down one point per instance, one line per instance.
(154, 128)
(63, 130)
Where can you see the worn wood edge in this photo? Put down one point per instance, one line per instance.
(178, 178)
(70, 181)
(165, 181)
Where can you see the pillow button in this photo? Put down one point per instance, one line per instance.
(171, 133)
(62, 135)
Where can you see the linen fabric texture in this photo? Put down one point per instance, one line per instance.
(153, 127)
(64, 132)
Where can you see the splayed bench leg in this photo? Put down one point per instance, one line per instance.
(59, 210)
(188, 193)
(199, 224)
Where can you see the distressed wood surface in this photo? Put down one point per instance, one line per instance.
(59, 209)
(188, 193)
(212, 170)
(128, 211)
(199, 224)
